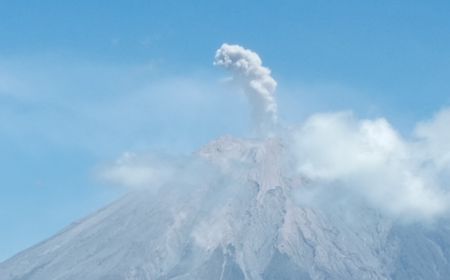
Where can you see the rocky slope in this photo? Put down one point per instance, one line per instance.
(242, 221)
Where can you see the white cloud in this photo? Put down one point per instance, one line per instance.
(370, 159)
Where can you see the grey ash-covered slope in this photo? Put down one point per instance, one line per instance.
(240, 223)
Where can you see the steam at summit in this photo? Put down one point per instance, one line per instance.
(247, 69)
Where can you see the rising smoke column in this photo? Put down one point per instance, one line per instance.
(247, 69)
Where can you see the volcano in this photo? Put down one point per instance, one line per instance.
(240, 220)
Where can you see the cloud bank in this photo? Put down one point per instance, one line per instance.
(369, 158)
(256, 80)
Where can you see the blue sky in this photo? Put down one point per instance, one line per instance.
(83, 81)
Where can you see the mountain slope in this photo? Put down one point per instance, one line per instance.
(241, 221)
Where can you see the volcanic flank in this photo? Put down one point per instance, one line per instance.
(242, 224)
(232, 212)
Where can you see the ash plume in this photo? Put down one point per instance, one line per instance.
(256, 80)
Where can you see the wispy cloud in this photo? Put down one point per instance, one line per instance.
(138, 172)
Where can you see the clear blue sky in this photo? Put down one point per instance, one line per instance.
(83, 81)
